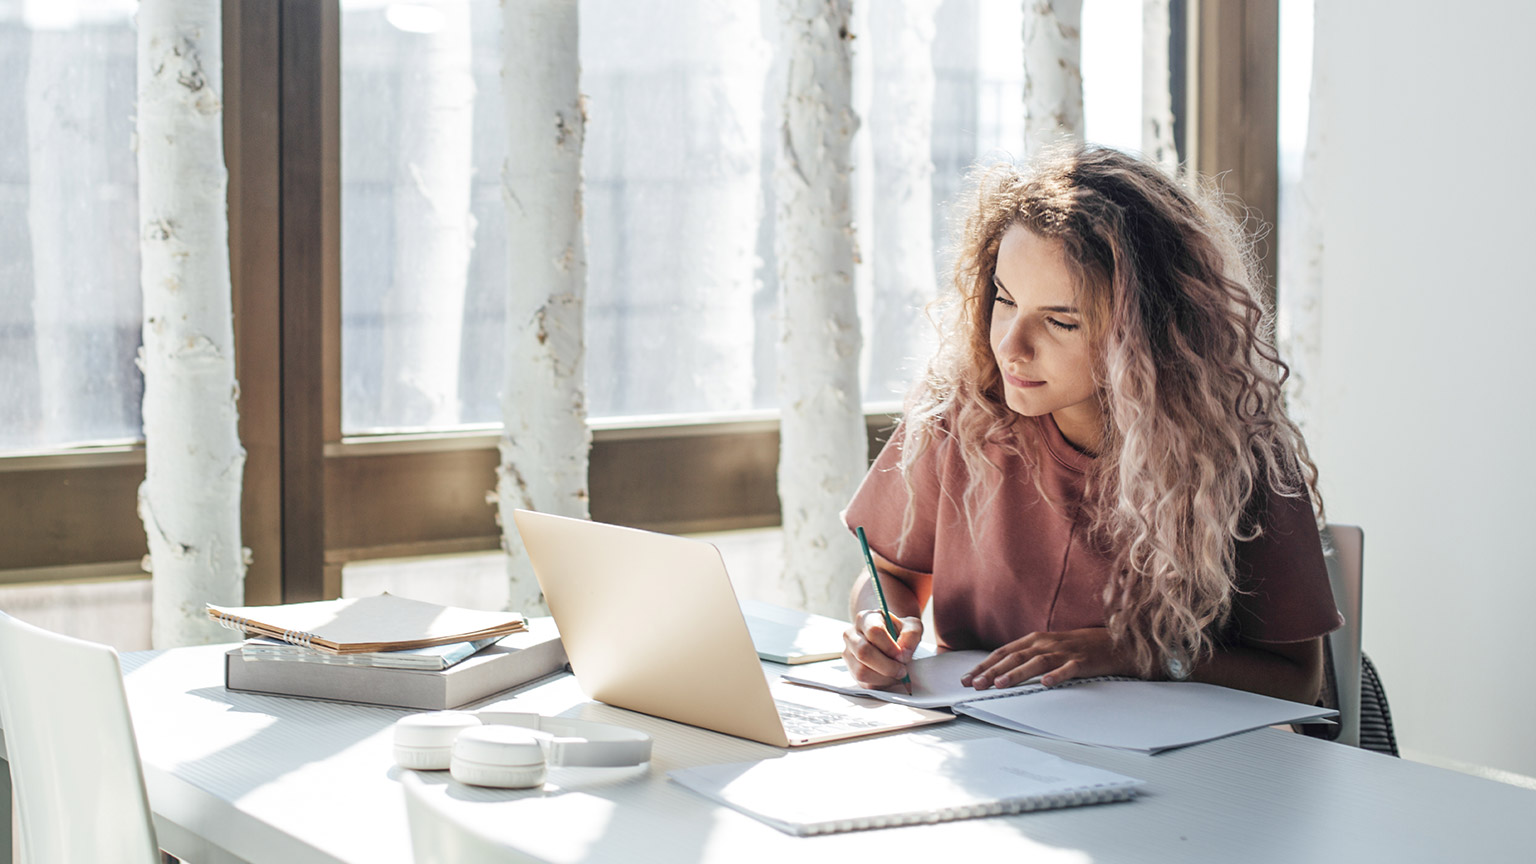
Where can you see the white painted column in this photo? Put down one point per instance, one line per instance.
(545, 443)
(1053, 73)
(1157, 141)
(190, 498)
(822, 453)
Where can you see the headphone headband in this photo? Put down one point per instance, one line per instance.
(581, 743)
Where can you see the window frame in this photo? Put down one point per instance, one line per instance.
(313, 500)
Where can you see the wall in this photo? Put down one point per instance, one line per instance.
(1424, 408)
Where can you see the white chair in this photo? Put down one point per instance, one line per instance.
(1347, 546)
(73, 759)
(439, 838)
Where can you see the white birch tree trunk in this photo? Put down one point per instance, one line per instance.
(901, 125)
(546, 440)
(1053, 73)
(190, 498)
(1300, 297)
(866, 181)
(434, 228)
(1157, 141)
(823, 452)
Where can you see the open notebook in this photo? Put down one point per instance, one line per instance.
(935, 680)
(902, 781)
(1125, 713)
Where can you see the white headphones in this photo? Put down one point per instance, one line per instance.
(510, 750)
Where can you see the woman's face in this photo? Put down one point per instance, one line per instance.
(1038, 337)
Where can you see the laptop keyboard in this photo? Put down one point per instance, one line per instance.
(804, 721)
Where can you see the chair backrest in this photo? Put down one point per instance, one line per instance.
(74, 761)
(439, 838)
(1346, 549)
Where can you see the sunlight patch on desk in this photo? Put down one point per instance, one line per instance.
(193, 714)
(550, 825)
(1484, 771)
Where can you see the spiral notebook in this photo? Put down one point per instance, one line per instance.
(887, 782)
(1110, 711)
(367, 624)
(935, 681)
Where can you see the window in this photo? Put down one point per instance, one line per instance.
(369, 415)
(69, 322)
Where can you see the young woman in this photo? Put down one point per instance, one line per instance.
(1096, 475)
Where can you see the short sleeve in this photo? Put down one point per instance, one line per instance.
(881, 503)
(1283, 579)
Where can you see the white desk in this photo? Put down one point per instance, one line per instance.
(240, 777)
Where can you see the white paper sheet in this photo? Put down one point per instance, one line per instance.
(1149, 716)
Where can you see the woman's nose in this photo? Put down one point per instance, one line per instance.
(1018, 342)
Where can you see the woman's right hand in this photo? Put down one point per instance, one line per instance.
(877, 661)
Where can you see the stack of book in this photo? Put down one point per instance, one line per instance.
(386, 650)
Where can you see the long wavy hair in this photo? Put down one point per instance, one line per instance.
(1188, 377)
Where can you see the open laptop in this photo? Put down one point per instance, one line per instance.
(651, 623)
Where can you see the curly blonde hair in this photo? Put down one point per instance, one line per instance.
(1195, 430)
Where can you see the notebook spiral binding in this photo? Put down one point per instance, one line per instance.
(298, 637)
(232, 622)
(242, 625)
(1037, 687)
(1091, 795)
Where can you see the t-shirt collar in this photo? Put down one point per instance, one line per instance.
(1060, 448)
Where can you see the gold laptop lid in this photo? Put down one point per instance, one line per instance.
(651, 623)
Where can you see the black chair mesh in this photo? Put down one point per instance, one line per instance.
(1376, 732)
(1375, 717)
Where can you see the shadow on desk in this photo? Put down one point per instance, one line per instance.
(254, 745)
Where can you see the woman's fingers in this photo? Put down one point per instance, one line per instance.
(1065, 672)
(1053, 657)
(874, 658)
(1014, 668)
(1001, 661)
(911, 630)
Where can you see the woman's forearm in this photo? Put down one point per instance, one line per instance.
(903, 601)
(1290, 670)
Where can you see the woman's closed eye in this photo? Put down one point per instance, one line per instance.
(1003, 300)
(1061, 325)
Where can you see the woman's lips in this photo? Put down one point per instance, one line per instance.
(1014, 381)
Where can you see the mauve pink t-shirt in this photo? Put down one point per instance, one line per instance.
(1028, 568)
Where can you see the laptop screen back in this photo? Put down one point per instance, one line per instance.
(651, 623)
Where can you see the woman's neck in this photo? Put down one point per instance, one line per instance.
(1082, 426)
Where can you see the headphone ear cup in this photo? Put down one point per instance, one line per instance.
(424, 742)
(506, 757)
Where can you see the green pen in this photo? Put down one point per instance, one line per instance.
(885, 610)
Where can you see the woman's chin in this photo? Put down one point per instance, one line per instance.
(1026, 407)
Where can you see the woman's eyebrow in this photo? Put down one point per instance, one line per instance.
(1065, 310)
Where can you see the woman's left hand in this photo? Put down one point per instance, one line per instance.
(1055, 657)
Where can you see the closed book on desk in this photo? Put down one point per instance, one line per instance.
(516, 659)
(887, 782)
(366, 624)
(432, 657)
